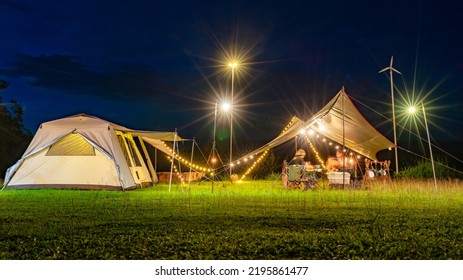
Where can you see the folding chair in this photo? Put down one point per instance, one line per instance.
(294, 173)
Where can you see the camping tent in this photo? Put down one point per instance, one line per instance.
(340, 121)
(86, 152)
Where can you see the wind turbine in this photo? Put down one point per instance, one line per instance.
(391, 69)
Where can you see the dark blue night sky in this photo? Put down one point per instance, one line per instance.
(158, 65)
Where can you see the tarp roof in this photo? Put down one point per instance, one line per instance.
(159, 135)
(340, 121)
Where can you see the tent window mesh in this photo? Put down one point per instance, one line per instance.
(71, 145)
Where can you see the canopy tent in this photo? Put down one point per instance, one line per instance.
(86, 152)
(340, 121)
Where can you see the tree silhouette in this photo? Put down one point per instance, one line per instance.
(14, 137)
(3, 84)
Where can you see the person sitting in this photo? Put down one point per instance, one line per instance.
(332, 164)
(307, 180)
(338, 163)
(343, 162)
(298, 158)
(308, 166)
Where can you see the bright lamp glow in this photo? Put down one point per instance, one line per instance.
(302, 131)
(226, 107)
(233, 64)
(412, 110)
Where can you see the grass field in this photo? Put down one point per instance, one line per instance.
(253, 220)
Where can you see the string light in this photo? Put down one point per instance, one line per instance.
(315, 152)
(258, 160)
(186, 162)
(179, 175)
(352, 157)
(291, 122)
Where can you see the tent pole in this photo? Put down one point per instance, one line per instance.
(148, 160)
(191, 161)
(155, 159)
(173, 158)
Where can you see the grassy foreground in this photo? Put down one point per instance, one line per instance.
(254, 220)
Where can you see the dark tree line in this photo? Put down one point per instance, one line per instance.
(14, 137)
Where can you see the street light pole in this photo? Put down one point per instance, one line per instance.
(390, 68)
(430, 149)
(213, 160)
(412, 111)
(215, 129)
(232, 65)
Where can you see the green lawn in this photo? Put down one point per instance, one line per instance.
(253, 220)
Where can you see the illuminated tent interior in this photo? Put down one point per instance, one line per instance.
(86, 152)
(340, 121)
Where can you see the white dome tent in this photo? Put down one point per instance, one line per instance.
(86, 152)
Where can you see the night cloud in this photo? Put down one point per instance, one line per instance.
(15, 6)
(71, 75)
(162, 59)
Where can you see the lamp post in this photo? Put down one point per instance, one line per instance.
(412, 110)
(213, 159)
(232, 66)
(391, 69)
(225, 107)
